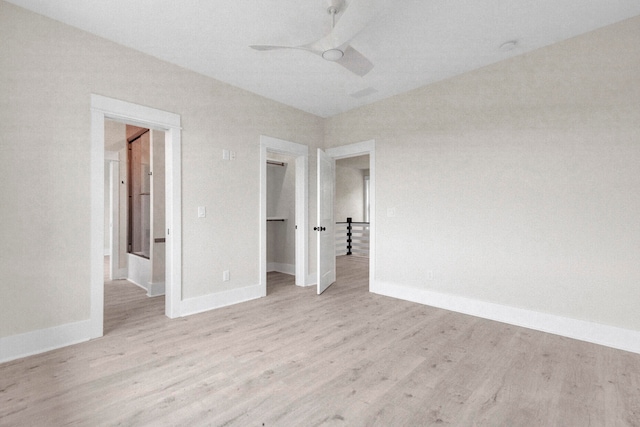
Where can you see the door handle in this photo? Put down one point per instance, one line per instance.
(319, 228)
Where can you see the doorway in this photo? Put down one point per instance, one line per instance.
(135, 206)
(351, 212)
(281, 179)
(351, 207)
(325, 251)
(298, 157)
(103, 108)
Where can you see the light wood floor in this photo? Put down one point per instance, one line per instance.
(346, 357)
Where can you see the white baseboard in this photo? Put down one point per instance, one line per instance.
(121, 274)
(155, 289)
(34, 342)
(221, 299)
(291, 270)
(140, 285)
(610, 336)
(281, 268)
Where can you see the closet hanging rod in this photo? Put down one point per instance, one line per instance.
(273, 162)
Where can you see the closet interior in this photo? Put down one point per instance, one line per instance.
(281, 225)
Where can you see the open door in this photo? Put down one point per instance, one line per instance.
(325, 224)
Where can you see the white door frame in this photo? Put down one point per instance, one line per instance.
(301, 154)
(360, 149)
(108, 108)
(114, 210)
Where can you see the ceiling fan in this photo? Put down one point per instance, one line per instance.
(335, 46)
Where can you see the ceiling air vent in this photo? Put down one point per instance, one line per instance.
(364, 92)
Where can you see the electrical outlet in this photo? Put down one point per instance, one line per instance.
(430, 275)
(232, 155)
(225, 276)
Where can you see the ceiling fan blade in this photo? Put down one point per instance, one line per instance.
(354, 19)
(263, 48)
(355, 62)
(268, 47)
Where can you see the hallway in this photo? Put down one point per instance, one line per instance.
(127, 305)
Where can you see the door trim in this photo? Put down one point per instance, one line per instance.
(108, 108)
(301, 154)
(114, 209)
(359, 149)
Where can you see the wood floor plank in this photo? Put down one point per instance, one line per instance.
(346, 357)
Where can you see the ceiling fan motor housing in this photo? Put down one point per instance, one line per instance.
(335, 5)
(332, 54)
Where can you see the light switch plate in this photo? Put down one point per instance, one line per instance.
(202, 211)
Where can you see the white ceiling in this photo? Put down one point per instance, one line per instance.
(412, 44)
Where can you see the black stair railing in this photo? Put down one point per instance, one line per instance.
(352, 236)
(349, 234)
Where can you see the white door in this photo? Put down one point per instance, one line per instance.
(325, 224)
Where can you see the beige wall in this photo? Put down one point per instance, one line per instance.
(47, 73)
(516, 184)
